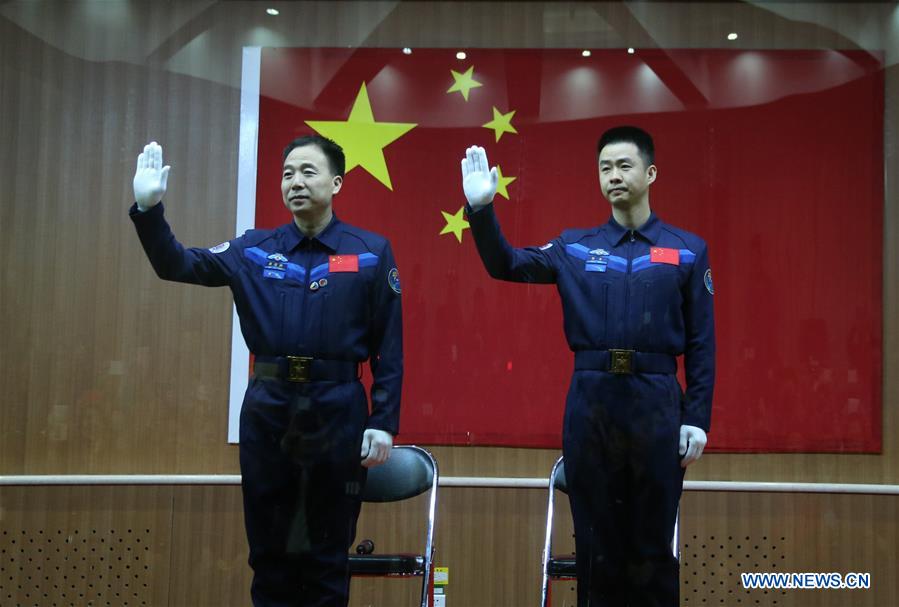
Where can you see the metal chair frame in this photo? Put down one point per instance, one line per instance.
(553, 567)
(378, 489)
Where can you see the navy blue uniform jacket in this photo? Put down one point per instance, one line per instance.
(615, 296)
(349, 315)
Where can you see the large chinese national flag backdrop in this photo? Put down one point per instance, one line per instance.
(774, 157)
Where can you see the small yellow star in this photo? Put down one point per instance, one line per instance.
(463, 82)
(455, 223)
(501, 123)
(502, 182)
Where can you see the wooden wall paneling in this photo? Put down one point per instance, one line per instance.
(491, 540)
(184, 546)
(725, 534)
(85, 545)
(209, 548)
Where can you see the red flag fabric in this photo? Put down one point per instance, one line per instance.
(663, 255)
(751, 149)
(343, 263)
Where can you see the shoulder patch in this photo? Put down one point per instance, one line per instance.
(546, 246)
(707, 279)
(220, 248)
(393, 279)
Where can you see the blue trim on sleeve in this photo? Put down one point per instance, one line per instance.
(577, 250)
(367, 260)
(619, 264)
(298, 273)
(319, 271)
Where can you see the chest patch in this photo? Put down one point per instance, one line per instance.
(343, 263)
(275, 266)
(663, 255)
(597, 260)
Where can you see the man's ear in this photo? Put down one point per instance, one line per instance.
(651, 173)
(337, 183)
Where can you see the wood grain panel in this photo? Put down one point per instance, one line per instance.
(85, 545)
(726, 534)
(209, 548)
(185, 547)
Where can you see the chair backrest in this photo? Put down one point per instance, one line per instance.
(408, 472)
(558, 479)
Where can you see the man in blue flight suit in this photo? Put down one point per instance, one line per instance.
(636, 293)
(316, 297)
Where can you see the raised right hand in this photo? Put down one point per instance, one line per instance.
(150, 178)
(478, 182)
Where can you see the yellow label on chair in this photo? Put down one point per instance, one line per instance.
(441, 576)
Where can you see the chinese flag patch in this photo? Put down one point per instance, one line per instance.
(343, 263)
(662, 255)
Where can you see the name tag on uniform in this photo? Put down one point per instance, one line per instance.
(343, 263)
(597, 260)
(275, 266)
(662, 255)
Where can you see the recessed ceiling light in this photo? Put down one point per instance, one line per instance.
(585, 53)
(273, 11)
(461, 55)
(732, 36)
(630, 50)
(407, 50)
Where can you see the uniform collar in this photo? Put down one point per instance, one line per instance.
(330, 236)
(649, 231)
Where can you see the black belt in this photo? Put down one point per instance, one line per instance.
(303, 369)
(625, 361)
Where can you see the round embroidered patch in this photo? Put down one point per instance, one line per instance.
(707, 279)
(220, 248)
(393, 279)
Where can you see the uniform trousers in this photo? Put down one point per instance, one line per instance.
(302, 484)
(620, 442)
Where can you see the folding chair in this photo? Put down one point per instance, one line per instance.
(563, 567)
(409, 472)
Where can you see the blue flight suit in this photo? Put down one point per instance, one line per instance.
(621, 430)
(334, 298)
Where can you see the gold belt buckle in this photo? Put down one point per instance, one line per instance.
(299, 368)
(621, 361)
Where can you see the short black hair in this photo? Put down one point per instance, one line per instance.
(630, 134)
(332, 151)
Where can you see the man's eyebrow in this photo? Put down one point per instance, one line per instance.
(301, 166)
(617, 160)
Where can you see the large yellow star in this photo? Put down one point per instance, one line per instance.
(502, 182)
(363, 140)
(501, 123)
(455, 223)
(463, 82)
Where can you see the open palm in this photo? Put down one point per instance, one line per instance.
(478, 181)
(150, 178)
